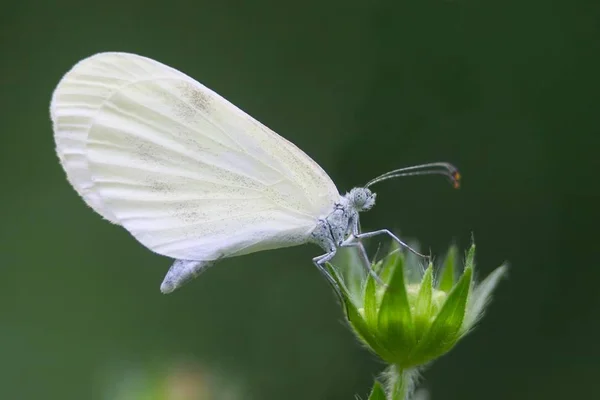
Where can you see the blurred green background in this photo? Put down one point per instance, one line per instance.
(506, 90)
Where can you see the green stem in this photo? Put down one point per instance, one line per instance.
(400, 382)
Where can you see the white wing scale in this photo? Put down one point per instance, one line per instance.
(190, 175)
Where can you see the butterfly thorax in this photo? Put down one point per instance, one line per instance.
(342, 221)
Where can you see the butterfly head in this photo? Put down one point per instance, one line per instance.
(361, 199)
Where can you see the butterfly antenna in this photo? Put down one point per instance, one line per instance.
(437, 168)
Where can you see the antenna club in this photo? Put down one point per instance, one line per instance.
(456, 179)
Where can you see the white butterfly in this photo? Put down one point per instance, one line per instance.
(190, 175)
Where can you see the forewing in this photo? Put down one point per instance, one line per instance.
(186, 172)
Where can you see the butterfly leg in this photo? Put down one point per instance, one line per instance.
(390, 234)
(350, 242)
(319, 262)
(181, 272)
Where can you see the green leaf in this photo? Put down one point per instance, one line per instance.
(480, 297)
(377, 267)
(470, 259)
(394, 319)
(353, 272)
(388, 265)
(413, 270)
(377, 393)
(357, 323)
(370, 303)
(422, 314)
(444, 332)
(448, 275)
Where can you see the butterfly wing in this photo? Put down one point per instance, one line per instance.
(190, 175)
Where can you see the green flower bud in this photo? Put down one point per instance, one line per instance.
(409, 322)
